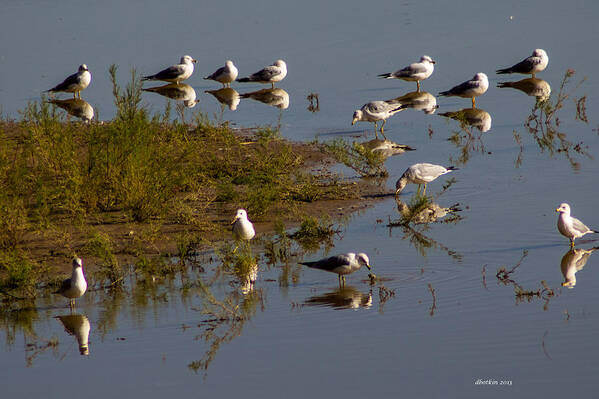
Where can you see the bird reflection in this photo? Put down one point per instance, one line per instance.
(76, 107)
(386, 148)
(572, 262)
(475, 117)
(342, 298)
(531, 86)
(178, 92)
(274, 97)
(419, 100)
(226, 96)
(427, 213)
(78, 326)
(247, 278)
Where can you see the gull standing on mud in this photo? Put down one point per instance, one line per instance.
(569, 226)
(225, 74)
(176, 73)
(375, 111)
(415, 72)
(243, 229)
(473, 88)
(341, 264)
(421, 173)
(75, 82)
(270, 74)
(537, 62)
(75, 286)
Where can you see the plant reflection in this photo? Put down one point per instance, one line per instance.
(76, 107)
(78, 326)
(346, 297)
(572, 262)
(179, 92)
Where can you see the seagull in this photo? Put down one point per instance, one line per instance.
(537, 62)
(270, 74)
(417, 71)
(421, 173)
(74, 83)
(475, 87)
(175, 73)
(571, 227)
(341, 264)
(75, 286)
(375, 111)
(243, 229)
(225, 75)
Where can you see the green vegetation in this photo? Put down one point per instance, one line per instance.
(127, 186)
(357, 157)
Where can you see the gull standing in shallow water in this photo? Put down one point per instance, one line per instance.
(225, 74)
(270, 74)
(75, 286)
(341, 264)
(243, 229)
(421, 173)
(570, 227)
(75, 82)
(537, 62)
(473, 88)
(375, 111)
(175, 73)
(415, 72)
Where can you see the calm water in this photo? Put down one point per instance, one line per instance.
(153, 340)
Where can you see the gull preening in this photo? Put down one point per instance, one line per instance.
(477, 86)
(75, 286)
(421, 173)
(243, 229)
(569, 226)
(375, 111)
(416, 72)
(270, 74)
(341, 264)
(225, 75)
(75, 82)
(175, 73)
(537, 62)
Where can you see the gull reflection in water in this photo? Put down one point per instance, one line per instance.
(226, 96)
(78, 326)
(419, 100)
(572, 262)
(475, 117)
(76, 107)
(386, 148)
(342, 298)
(178, 92)
(428, 213)
(247, 278)
(276, 97)
(531, 86)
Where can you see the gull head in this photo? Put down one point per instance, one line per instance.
(481, 77)
(363, 260)
(187, 59)
(357, 116)
(539, 53)
(229, 64)
(77, 263)
(401, 183)
(426, 58)
(564, 208)
(241, 214)
(280, 64)
(83, 68)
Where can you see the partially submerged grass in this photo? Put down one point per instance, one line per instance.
(365, 162)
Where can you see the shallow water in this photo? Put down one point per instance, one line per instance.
(300, 335)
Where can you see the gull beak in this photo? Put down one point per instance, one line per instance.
(194, 61)
(557, 210)
(368, 266)
(434, 62)
(353, 122)
(234, 220)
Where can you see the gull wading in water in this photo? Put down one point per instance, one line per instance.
(421, 173)
(243, 229)
(225, 74)
(415, 72)
(473, 88)
(571, 227)
(537, 62)
(75, 82)
(75, 286)
(270, 74)
(341, 264)
(375, 111)
(175, 73)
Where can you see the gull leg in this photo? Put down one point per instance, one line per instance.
(424, 193)
(572, 243)
(533, 75)
(418, 86)
(273, 84)
(473, 102)
(382, 129)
